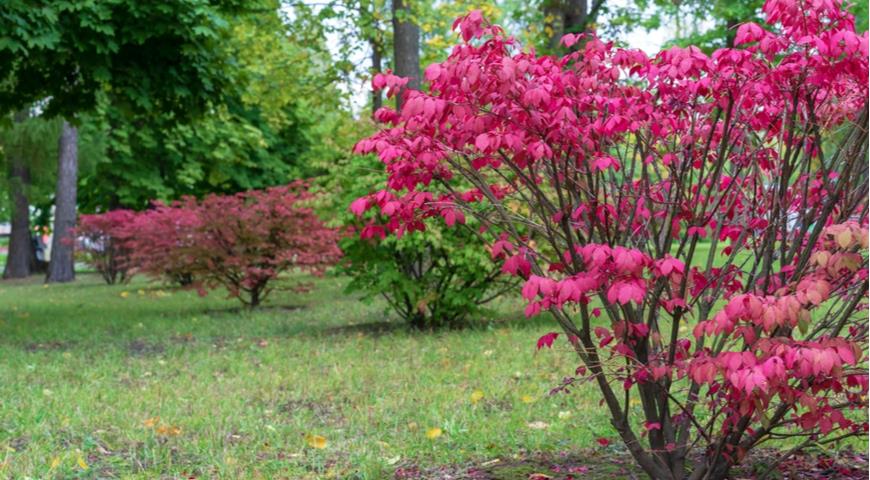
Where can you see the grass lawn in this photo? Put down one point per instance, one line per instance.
(140, 381)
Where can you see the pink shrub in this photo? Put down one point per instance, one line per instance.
(697, 225)
(104, 242)
(241, 242)
(244, 241)
(160, 239)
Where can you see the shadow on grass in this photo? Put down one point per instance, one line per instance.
(241, 309)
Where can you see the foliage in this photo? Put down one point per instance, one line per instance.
(29, 139)
(104, 241)
(154, 56)
(245, 241)
(364, 26)
(160, 238)
(622, 166)
(706, 24)
(431, 279)
(240, 242)
(275, 126)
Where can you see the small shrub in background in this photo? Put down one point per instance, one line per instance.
(434, 278)
(240, 242)
(243, 242)
(160, 239)
(103, 241)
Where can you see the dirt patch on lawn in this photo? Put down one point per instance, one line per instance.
(142, 348)
(50, 346)
(606, 465)
(262, 308)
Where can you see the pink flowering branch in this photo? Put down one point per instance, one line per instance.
(696, 224)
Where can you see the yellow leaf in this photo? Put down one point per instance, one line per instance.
(844, 238)
(315, 441)
(822, 258)
(527, 399)
(125, 294)
(82, 464)
(433, 433)
(150, 422)
(55, 462)
(168, 430)
(476, 396)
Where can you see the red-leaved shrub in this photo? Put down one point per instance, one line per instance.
(104, 242)
(244, 241)
(160, 239)
(241, 242)
(696, 224)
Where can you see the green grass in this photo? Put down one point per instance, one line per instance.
(87, 368)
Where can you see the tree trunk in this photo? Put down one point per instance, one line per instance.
(61, 268)
(574, 17)
(569, 16)
(19, 257)
(406, 47)
(377, 98)
(731, 25)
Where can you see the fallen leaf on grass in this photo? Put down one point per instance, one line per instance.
(55, 462)
(168, 430)
(538, 425)
(82, 464)
(316, 441)
(527, 399)
(433, 433)
(150, 422)
(476, 396)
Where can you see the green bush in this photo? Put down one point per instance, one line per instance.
(437, 278)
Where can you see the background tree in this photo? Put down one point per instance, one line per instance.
(278, 124)
(154, 56)
(62, 265)
(406, 46)
(21, 260)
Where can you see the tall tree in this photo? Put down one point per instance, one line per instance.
(280, 123)
(156, 56)
(19, 263)
(406, 46)
(61, 268)
(568, 16)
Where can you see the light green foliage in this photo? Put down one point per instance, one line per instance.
(707, 24)
(440, 277)
(279, 125)
(156, 55)
(244, 389)
(35, 139)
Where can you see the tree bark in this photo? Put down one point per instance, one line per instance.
(20, 256)
(569, 16)
(574, 17)
(377, 98)
(406, 47)
(61, 268)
